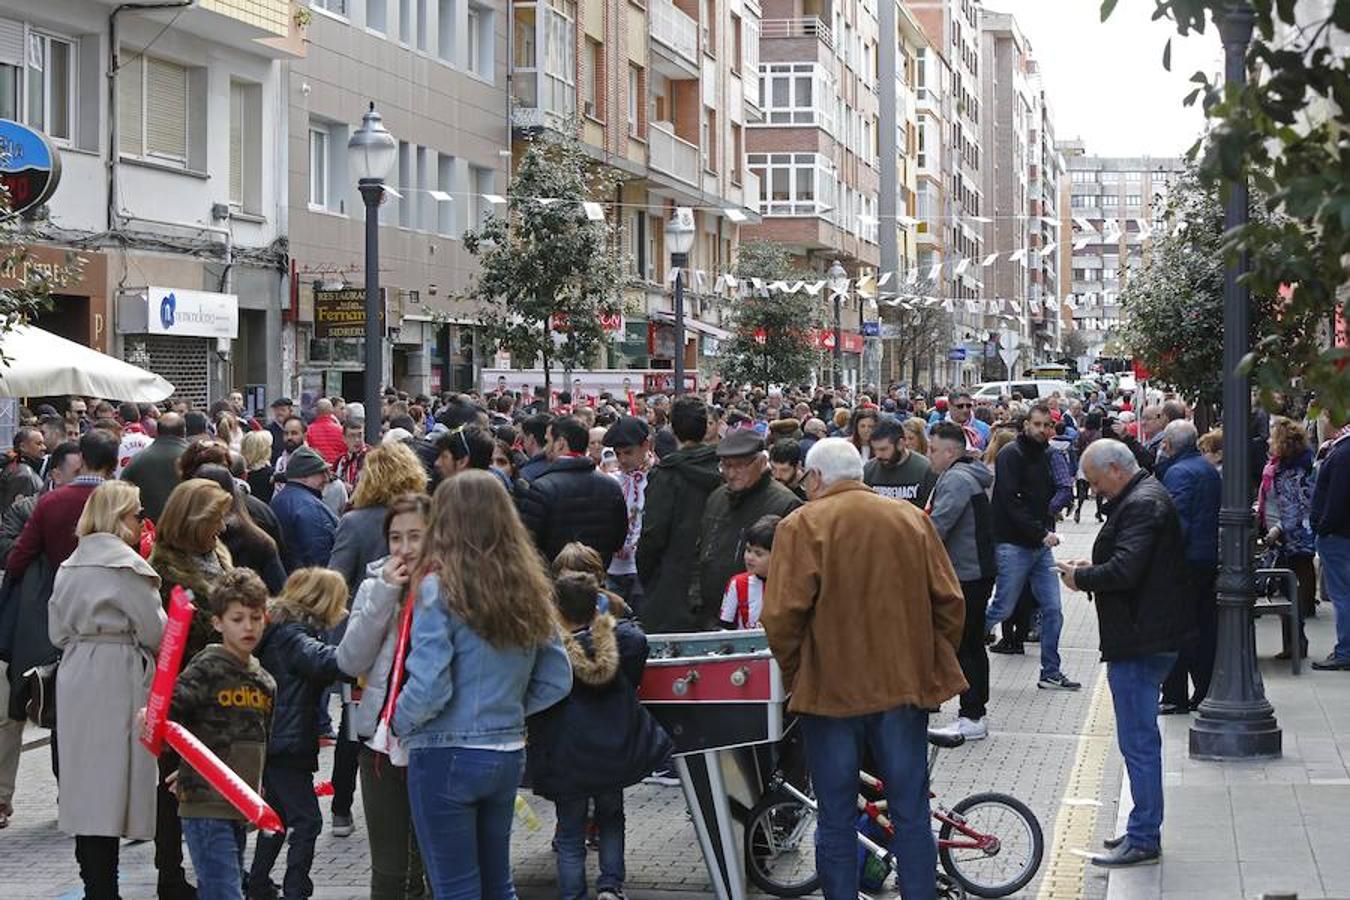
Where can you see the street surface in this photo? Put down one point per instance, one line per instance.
(1053, 750)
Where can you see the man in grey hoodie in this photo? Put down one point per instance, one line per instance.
(959, 510)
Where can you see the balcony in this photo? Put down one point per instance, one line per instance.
(750, 190)
(676, 37)
(809, 27)
(672, 155)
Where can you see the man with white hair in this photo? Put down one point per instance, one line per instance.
(1137, 576)
(1197, 493)
(864, 612)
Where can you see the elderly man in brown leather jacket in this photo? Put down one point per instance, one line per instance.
(864, 613)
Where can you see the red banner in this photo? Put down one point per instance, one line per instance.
(823, 339)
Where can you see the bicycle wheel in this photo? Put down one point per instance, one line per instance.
(1008, 867)
(780, 846)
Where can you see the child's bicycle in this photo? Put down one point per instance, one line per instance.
(989, 843)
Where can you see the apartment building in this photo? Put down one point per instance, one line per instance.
(436, 72)
(1045, 173)
(1115, 205)
(664, 93)
(950, 187)
(815, 152)
(172, 193)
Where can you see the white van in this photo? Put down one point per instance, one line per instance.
(1030, 389)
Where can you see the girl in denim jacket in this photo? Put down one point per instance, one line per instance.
(486, 652)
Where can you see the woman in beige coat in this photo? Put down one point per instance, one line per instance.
(105, 617)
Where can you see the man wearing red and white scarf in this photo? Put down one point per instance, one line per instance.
(631, 440)
(961, 410)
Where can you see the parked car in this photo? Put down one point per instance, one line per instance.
(1030, 389)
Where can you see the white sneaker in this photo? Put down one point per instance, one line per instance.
(970, 729)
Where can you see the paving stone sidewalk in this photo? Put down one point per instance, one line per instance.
(1030, 754)
(1243, 829)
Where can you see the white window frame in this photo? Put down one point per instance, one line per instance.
(45, 39)
(319, 139)
(338, 9)
(821, 183)
(142, 63)
(800, 77)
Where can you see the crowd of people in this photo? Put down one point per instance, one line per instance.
(528, 543)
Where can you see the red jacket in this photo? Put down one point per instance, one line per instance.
(325, 436)
(51, 529)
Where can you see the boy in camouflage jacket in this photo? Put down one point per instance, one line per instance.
(224, 696)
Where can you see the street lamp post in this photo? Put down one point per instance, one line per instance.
(838, 287)
(1236, 721)
(371, 151)
(680, 235)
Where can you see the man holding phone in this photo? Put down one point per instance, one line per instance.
(1137, 575)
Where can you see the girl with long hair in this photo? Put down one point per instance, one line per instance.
(860, 426)
(486, 652)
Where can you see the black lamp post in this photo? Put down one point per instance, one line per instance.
(838, 287)
(680, 236)
(1236, 721)
(372, 151)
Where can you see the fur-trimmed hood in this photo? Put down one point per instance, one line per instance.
(596, 661)
(177, 567)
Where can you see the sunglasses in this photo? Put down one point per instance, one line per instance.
(962, 405)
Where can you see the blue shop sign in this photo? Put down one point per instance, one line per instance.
(30, 167)
(957, 354)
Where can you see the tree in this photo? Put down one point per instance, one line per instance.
(1075, 344)
(548, 271)
(772, 330)
(920, 329)
(1174, 304)
(25, 287)
(1284, 131)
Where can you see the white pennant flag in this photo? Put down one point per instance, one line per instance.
(1051, 303)
(989, 260)
(815, 287)
(795, 287)
(1081, 243)
(913, 276)
(961, 267)
(947, 304)
(1145, 229)
(1083, 224)
(699, 278)
(1049, 248)
(1017, 255)
(973, 306)
(594, 211)
(671, 274)
(758, 283)
(934, 271)
(778, 285)
(885, 277)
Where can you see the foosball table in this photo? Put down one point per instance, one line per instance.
(720, 697)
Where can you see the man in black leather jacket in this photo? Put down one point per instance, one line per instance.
(571, 501)
(1137, 576)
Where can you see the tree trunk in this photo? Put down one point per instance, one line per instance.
(548, 345)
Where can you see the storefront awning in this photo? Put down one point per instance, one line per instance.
(41, 364)
(694, 325)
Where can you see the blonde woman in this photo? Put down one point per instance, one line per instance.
(105, 617)
(484, 602)
(256, 448)
(229, 431)
(916, 436)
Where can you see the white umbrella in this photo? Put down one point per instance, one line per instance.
(38, 363)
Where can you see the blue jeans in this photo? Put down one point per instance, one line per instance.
(1016, 566)
(463, 801)
(217, 850)
(290, 791)
(834, 749)
(1335, 553)
(572, 844)
(1135, 683)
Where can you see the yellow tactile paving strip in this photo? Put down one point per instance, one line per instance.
(1076, 822)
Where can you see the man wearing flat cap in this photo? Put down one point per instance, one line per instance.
(748, 492)
(308, 526)
(631, 440)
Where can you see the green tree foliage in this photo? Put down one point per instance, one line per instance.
(1284, 130)
(1174, 304)
(25, 288)
(545, 262)
(771, 329)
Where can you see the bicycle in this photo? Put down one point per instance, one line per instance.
(990, 843)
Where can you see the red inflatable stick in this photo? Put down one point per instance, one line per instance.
(632, 404)
(166, 668)
(384, 739)
(222, 778)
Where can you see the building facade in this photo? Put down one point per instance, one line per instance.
(172, 195)
(1115, 205)
(436, 71)
(1045, 173)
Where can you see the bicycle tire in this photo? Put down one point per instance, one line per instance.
(761, 818)
(953, 866)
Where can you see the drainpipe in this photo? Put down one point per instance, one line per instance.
(114, 64)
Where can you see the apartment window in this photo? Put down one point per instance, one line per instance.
(592, 78)
(737, 152)
(1110, 200)
(1134, 200)
(445, 209)
(405, 21)
(483, 182)
(709, 142)
(336, 7)
(790, 92)
(404, 181)
(377, 15)
(794, 184)
(447, 18)
(921, 72)
(161, 106)
(1134, 177)
(710, 27)
(1110, 178)
(635, 84)
(246, 146)
(425, 175)
(421, 25)
(482, 21)
(922, 154)
(51, 85)
(736, 45)
(318, 168)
